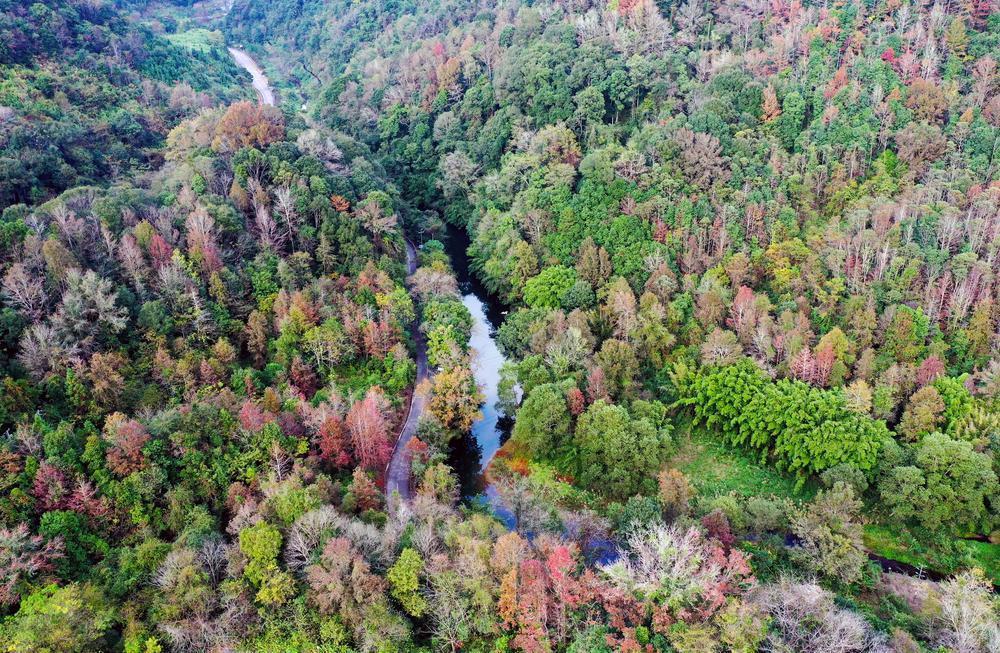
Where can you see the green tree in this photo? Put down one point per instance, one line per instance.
(543, 421)
(946, 487)
(615, 454)
(404, 582)
(261, 544)
(548, 287)
(72, 619)
(793, 113)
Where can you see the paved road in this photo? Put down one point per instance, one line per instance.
(397, 477)
(264, 93)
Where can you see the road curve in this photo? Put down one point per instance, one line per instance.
(260, 84)
(397, 474)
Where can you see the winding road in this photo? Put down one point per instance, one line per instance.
(265, 95)
(397, 473)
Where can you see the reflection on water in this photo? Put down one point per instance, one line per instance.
(486, 364)
(471, 453)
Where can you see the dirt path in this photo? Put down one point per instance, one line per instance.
(397, 474)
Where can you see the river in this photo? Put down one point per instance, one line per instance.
(471, 454)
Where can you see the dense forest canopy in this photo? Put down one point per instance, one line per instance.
(87, 95)
(749, 256)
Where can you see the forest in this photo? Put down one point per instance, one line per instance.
(742, 268)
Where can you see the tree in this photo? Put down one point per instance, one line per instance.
(589, 113)
(247, 125)
(377, 218)
(616, 454)
(548, 286)
(455, 398)
(261, 544)
(858, 396)
(24, 291)
(675, 493)
(458, 174)
(946, 487)
(679, 571)
(831, 536)
(618, 361)
(593, 264)
(958, 402)
(76, 618)
(127, 438)
(744, 314)
(368, 426)
(701, 158)
(364, 492)
(969, 617)
(793, 112)
(439, 483)
(543, 421)
(45, 352)
(88, 312)
(342, 583)
(333, 442)
(919, 145)
(930, 369)
(927, 99)
(923, 413)
(22, 558)
(770, 108)
(721, 348)
(404, 582)
(805, 618)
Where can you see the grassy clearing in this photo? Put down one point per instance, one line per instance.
(199, 39)
(716, 469)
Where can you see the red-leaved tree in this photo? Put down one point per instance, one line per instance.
(368, 426)
(22, 557)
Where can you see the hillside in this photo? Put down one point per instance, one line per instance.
(87, 96)
(533, 325)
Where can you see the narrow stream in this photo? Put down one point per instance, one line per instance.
(472, 453)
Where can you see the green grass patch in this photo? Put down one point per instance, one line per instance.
(986, 557)
(715, 468)
(199, 39)
(899, 544)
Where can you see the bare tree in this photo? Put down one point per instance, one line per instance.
(969, 621)
(24, 291)
(44, 352)
(87, 310)
(284, 202)
(805, 619)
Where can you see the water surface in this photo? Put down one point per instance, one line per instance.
(471, 453)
